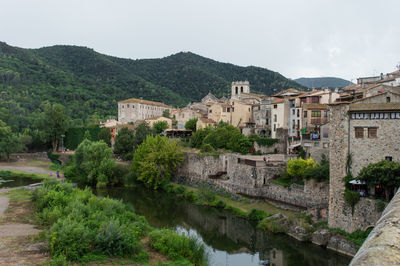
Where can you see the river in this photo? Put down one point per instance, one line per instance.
(229, 240)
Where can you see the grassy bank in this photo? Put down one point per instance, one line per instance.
(260, 212)
(22, 174)
(82, 228)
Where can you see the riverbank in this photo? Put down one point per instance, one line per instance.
(273, 219)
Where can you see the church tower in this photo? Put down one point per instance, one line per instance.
(239, 87)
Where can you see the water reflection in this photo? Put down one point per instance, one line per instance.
(6, 181)
(230, 240)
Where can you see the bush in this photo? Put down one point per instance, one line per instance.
(272, 225)
(178, 247)
(206, 195)
(298, 167)
(207, 148)
(257, 215)
(380, 205)
(352, 198)
(319, 173)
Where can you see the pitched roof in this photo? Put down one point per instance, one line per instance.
(287, 92)
(374, 107)
(141, 101)
(157, 117)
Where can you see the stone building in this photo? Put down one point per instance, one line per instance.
(209, 98)
(368, 130)
(220, 112)
(184, 114)
(133, 109)
(205, 122)
(239, 87)
(152, 120)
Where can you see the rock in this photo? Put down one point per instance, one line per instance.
(340, 244)
(321, 237)
(300, 233)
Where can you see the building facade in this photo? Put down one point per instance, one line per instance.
(132, 110)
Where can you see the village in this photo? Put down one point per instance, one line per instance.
(351, 128)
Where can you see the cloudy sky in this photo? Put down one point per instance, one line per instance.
(343, 38)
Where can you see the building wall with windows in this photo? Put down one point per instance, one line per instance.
(133, 109)
(241, 113)
(277, 117)
(355, 132)
(220, 112)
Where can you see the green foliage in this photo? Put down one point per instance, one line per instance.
(74, 136)
(10, 142)
(223, 137)
(191, 124)
(155, 160)
(206, 195)
(207, 148)
(272, 225)
(298, 167)
(358, 237)
(320, 173)
(54, 158)
(93, 165)
(53, 121)
(263, 141)
(302, 153)
(380, 205)
(124, 143)
(82, 224)
(105, 135)
(160, 126)
(178, 247)
(351, 198)
(384, 173)
(257, 215)
(166, 113)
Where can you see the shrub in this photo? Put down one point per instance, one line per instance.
(319, 173)
(298, 167)
(220, 204)
(272, 225)
(206, 195)
(380, 205)
(178, 247)
(207, 148)
(257, 215)
(351, 197)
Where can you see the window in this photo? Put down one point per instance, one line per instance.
(386, 115)
(293, 111)
(123, 106)
(233, 109)
(275, 106)
(392, 115)
(359, 132)
(275, 118)
(298, 113)
(249, 109)
(325, 113)
(210, 111)
(316, 114)
(241, 89)
(388, 99)
(325, 133)
(372, 132)
(228, 109)
(305, 114)
(236, 90)
(127, 106)
(388, 158)
(274, 127)
(133, 106)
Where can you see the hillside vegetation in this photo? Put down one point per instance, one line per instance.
(329, 82)
(90, 84)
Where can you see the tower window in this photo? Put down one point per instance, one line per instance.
(388, 99)
(241, 89)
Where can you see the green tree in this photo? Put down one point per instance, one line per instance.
(87, 135)
(53, 122)
(93, 163)
(124, 143)
(191, 124)
(298, 167)
(141, 132)
(155, 160)
(10, 142)
(160, 126)
(166, 113)
(105, 135)
(383, 173)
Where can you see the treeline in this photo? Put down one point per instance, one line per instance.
(90, 84)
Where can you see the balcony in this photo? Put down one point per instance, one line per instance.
(319, 120)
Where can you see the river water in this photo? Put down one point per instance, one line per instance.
(6, 181)
(229, 240)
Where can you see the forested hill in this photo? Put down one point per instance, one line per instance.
(330, 82)
(88, 83)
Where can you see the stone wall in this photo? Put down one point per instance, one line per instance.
(340, 213)
(382, 245)
(248, 176)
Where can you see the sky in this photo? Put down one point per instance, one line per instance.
(298, 38)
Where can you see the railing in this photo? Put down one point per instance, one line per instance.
(318, 121)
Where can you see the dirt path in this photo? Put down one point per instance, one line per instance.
(20, 242)
(29, 169)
